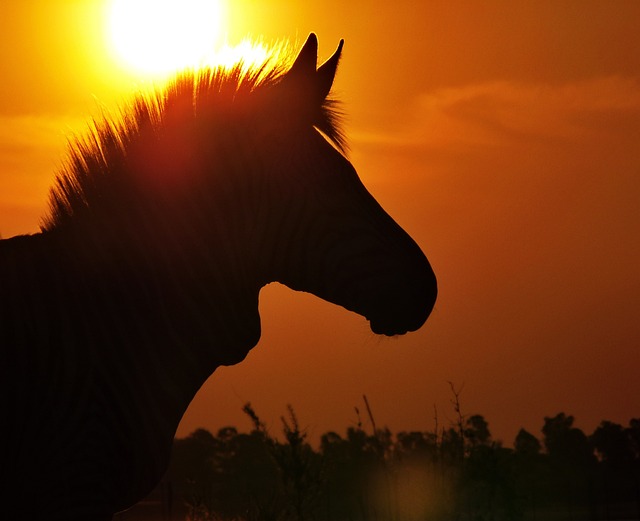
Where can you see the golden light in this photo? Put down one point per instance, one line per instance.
(247, 52)
(157, 37)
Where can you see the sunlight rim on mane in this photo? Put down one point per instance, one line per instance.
(87, 175)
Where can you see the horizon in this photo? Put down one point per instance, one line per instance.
(365, 420)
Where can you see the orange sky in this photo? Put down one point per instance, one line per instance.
(504, 136)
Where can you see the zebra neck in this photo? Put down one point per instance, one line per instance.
(109, 354)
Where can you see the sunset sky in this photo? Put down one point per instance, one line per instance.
(503, 136)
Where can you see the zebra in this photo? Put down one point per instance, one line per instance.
(163, 225)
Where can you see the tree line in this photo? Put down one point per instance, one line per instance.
(453, 472)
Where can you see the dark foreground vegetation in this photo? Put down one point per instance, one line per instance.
(453, 472)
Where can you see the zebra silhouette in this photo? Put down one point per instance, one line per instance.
(164, 224)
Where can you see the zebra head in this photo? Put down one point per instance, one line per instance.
(327, 234)
(228, 180)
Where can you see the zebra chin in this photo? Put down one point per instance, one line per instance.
(395, 324)
(398, 316)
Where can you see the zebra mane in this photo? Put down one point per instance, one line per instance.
(96, 167)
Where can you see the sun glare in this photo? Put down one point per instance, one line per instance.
(247, 52)
(156, 37)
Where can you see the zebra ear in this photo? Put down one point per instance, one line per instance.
(313, 85)
(327, 72)
(305, 64)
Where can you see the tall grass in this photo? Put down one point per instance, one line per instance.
(452, 472)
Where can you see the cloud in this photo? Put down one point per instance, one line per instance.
(503, 113)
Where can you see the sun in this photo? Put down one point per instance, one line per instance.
(157, 37)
